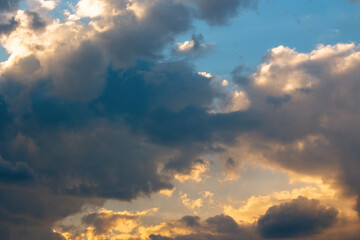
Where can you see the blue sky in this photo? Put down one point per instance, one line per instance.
(299, 24)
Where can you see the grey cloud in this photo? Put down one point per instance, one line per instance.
(107, 114)
(30, 213)
(146, 38)
(36, 21)
(220, 227)
(102, 115)
(299, 218)
(218, 12)
(8, 5)
(7, 25)
(191, 221)
(15, 173)
(159, 237)
(101, 224)
(79, 75)
(241, 75)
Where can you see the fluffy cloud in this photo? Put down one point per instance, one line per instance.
(93, 111)
(88, 112)
(308, 104)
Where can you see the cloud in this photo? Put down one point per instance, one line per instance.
(105, 221)
(129, 226)
(7, 25)
(219, 227)
(194, 47)
(310, 121)
(95, 111)
(35, 20)
(299, 218)
(32, 212)
(15, 173)
(8, 5)
(217, 13)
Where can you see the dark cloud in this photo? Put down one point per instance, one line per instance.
(218, 12)
(15, 173)
(278, 101)
(220, 227)
(191, 221)
(299, 218)
(36, 21)
(159, 237)
(7, 25)
(241, 75)
(30, 213)
(8, 5)
(145, 39)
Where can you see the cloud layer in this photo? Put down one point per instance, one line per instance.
(92, 109)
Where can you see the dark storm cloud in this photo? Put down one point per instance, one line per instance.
(299, 218)
(218, 12)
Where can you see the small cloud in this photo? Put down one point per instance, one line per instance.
(48, 4)
(195, 46)
(194, 205)
(205, 74)
(167, 192)
(197, 173)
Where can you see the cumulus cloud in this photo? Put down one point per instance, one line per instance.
(310, 121)
(299, 218)
(92, 112)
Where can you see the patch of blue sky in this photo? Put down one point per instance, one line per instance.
(301, 24)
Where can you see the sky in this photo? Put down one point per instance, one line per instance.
(179, 120)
